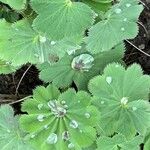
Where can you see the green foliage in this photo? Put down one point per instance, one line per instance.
(15, 4)
(57, 121)
(121, 96)
(118, 24)
(79, 67)
(27, 46)
(11, 137)
(67, 18)
(118, 142)
(71, 42)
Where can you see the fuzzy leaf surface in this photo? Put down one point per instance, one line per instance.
(62, 18)
(20, 44)
(119, 24)
(16, 4)
(11, 137)
(123, 109)
(118, 142)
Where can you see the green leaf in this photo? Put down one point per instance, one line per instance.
(79, 67)
(118, 142)
(20, 44)
(121, 96)
(98, 6)
(16, 4)
(119, 24)
(62, 18)
(6, 67)
(11, 137)
(147, 144)
(57, 121)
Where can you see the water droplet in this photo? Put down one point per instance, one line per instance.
(65, 135)
(81, 131)
(109, 80)
(128, 5)
(63, 102)
(95, 15)
(117, 66)
(40, 106)
(73, 124)
(87, 115)
(53, 42)
(32, 136)
(42, 39)
(71, 145)
(46, 127)
(125, 19)
(134, 108)
(122, 29)
(66, 106)
(124, 100)
(16, 29)
(102, 102)
(8, 131)
(118, 11)
(58, 109)
(36, 55)
(40, 117)
(78, 101)
(52, 139)
(83, 62)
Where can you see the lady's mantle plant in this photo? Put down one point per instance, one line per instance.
(60, 121)
(71, 42)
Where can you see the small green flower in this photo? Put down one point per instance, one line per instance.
(59, 121)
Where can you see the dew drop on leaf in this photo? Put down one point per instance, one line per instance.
(52, 138)
(73, 124)
(65, 135)
(46, 127)
(42, 39)
(122, 29)
(40, 117)
(32, 136)
(128, 5)
(109, 80)
(53, 42)
(134, 108)
(40, 106)
(124, 100)
(118, 11)
(102, 102)
(125, 19)
(71, 145)
(63, 102)
(87, 115)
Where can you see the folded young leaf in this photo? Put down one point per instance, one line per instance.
(79, 67)
(57, 121)
(118, 142)
(11, 137)
(119, 24)
(122, 98)
(62, 18)
(20, 44)
(15, 4)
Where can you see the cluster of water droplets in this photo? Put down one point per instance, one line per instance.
(59, 109)
(119, 11)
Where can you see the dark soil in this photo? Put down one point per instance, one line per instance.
(142, 41)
